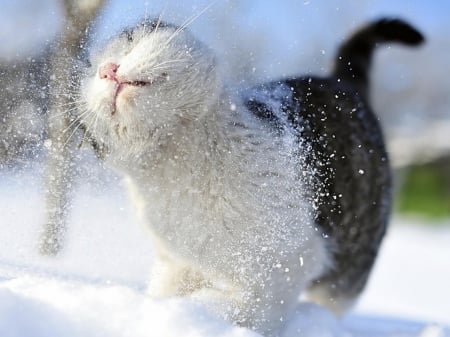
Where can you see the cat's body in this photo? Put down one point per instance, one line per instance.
(250, 198)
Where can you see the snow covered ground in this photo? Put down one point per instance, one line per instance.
(96, 287)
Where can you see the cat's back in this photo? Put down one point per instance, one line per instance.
(342, 142)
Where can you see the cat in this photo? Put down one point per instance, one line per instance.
(250, 197)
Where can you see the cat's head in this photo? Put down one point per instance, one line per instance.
(146, 83)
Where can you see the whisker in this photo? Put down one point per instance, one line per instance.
(77, 118)
(156, 70)
(166, 65)
(189, 21)
(85, 123)
(69, 108)
(171, 61)
(76, 106)
(59, 114)
(86, 131)
(87, 127)
(72, 102)
(95, 123)
(160, 18)
(71, 135)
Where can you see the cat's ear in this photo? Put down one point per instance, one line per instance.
(128, 34)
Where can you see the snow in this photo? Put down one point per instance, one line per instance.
(18, 19)
(96, 287)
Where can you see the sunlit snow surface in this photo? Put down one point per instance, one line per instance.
(96, 287)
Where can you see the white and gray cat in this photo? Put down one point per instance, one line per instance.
(251, 198)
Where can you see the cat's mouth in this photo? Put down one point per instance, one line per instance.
(121, 85)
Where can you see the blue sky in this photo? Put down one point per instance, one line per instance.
(293, 31)
(430, 14)
(289, 25)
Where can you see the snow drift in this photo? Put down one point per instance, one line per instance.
(96, 287)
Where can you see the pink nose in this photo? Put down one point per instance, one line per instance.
(108, 71)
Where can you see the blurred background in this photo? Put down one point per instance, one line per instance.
(256, 41)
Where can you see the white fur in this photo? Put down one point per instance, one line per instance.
(224, 195)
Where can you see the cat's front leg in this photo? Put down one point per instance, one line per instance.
(171, 277)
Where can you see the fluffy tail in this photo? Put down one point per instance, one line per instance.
(355, 55)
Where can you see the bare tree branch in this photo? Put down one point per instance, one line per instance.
(78, 17)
